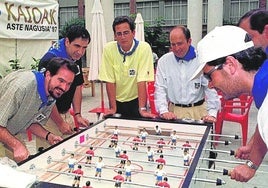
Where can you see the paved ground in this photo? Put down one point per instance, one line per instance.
(258, 181)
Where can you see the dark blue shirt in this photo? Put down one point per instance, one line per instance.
(59, 50)
(260, 84)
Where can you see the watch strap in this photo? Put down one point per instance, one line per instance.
(251, 165)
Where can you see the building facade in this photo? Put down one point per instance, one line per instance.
(200, 16)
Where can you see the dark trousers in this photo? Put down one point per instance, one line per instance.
(128, 109)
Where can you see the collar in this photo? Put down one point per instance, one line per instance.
(59, 49)
(130, 52)
(189, 55)
(40, 79)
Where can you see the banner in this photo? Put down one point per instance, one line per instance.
(29, 19)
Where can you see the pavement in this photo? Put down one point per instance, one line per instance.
(259, 180)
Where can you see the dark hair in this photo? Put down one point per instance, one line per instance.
(88, 183)
(251, 59)
(77, 31)
(258, 20)
(79, 166)
(185, 31)
(246, 15)
(124, 19)
(57, 62)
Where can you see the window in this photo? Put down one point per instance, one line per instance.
(205, 12)
(121, 9)
(239, 7)
(149, 11)
(175, 12)
(66, 14)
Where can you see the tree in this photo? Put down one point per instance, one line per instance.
(74, 21)
(157, 37)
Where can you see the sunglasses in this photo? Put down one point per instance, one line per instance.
(208, 74)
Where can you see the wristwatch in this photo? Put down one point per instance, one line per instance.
(143, 108)
(251, 165)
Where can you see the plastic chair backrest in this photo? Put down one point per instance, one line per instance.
(235, 110)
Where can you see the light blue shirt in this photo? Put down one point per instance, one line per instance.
(173, 84)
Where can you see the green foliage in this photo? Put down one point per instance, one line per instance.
(15, 65)
(34, 66)
(74, 21)
(157, 37)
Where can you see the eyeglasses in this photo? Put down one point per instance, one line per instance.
(124, 33)
(208, 74)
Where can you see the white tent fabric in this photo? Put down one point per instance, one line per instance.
(139, 27)
(23, 50)
(12, 178)
(98, 40)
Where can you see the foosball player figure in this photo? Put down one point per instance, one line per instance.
(90, 154)
(87, 185)
(114, 140)
(186, 157)
(160, 144)
(128, 169)
(158, 130)
(159, 173)
(99, 166)
(117, 150)
(119, 179)
(150, 154)
(136, 141)
(143, 135)
(116, 131)
(124, 158)
(173, 139)
(71, 162)
(186, 145)
(161, 160)
(78, 173)
(164, 183)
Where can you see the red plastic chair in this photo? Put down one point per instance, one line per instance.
(235, 110)
(150, 93)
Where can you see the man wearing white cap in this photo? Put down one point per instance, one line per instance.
(230, 62)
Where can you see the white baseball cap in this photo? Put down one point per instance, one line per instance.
(220, 42)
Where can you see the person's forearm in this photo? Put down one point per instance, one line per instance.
(8, 139)
(77, 100)
(55, 116)
(258, 149)
(142, 94)
(111, 93)
(38, 130)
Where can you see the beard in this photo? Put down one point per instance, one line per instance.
(56, 92)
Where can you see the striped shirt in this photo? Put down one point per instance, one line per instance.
(20, 102)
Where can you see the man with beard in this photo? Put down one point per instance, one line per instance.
(72, 47)
(27, 98)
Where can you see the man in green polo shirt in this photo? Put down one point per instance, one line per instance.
(127, 64)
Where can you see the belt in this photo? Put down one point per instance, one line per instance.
(198, 103)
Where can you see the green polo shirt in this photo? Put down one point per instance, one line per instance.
(126, 74)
